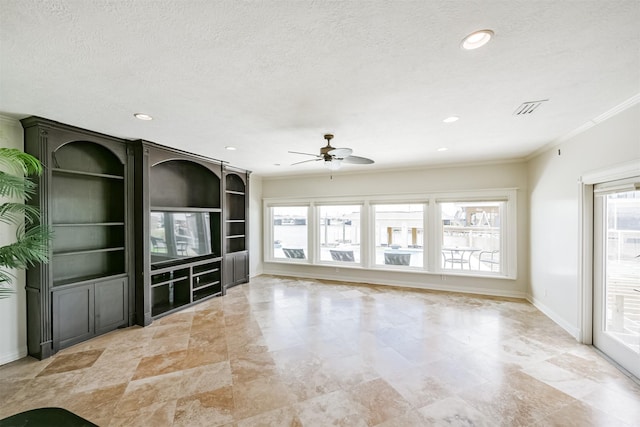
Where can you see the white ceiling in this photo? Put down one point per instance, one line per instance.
(272, 76)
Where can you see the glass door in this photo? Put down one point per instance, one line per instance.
(616, 325)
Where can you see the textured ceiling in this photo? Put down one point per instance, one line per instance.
(272, 76)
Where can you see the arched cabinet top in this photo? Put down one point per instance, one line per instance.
(235, 182)
(183, 183)
(87, 156)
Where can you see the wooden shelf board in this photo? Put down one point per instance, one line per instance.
(83, 173)
(88, 224)
(183, 209)
(206, 285)
(89, 251)
(200, 273)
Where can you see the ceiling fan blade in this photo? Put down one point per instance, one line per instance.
(358, 160)
(305, 161)
(306, 154)
(340, 153)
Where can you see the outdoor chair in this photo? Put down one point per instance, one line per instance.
(491, 258)
(294, 253)
(345, 256)
(401, 258)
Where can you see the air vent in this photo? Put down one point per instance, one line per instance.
(528, 107)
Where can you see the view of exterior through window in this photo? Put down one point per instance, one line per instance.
(399, 234)
(340, 233)
(471, 235)
(290, 235)
(623, 268)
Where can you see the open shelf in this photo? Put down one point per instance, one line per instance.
(179, 285)
(95, 263)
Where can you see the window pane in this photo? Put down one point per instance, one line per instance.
(290, 232)
(471, 236)
(399, 234)
(340, 233)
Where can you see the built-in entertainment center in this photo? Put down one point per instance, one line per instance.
(140, 231)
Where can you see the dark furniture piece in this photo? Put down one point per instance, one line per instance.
(178, 232)
(84, 196)
(236, 226)
(140, 231)
(46, 417)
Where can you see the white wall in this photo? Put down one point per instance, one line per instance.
(255, 225)
(412, 181)
(13, 310)
(555, 210)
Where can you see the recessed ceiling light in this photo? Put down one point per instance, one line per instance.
(276, 164)
(442, 149)
(230, 148)
(142, 116)
(477, 39)
(451, 119)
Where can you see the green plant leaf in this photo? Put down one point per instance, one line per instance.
(15, 186)
(31, 247)
(6, 279)
(16, 213)
(20, 162)
(32, 239)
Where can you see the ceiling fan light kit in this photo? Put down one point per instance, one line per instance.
(334, 157)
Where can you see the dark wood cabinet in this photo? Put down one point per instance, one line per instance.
(236, 226)
(84, 196)
(178, 230)
(140, 231)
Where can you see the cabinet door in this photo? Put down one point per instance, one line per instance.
(111, 305)
(240, 268)
(73, 314)
(236, 268)
(228, 270)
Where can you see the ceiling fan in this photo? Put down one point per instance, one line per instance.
(334, 157)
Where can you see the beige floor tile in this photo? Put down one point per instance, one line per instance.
(211, 408)
(302, 352)
(454, 411)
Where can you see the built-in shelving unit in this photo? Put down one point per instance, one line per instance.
(140, 231)
(83, 195)
(179, 230)
(235, 237)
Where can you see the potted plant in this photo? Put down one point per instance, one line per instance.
(32, 238)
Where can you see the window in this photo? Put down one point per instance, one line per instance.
(472, 236)
(340, 233)
(289, 231)
(472, 233)
(399, 234)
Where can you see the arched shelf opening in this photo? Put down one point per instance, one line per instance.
(185, 184)
(87, 157)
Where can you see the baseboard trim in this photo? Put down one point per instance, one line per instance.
(572, 330)
(13, 356)
(407, 284)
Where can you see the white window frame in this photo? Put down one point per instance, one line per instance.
(425, 231)
(268, 233)
(508, 233)
(432, 233)
(318, 231)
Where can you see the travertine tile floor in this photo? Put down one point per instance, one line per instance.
(285, 352)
